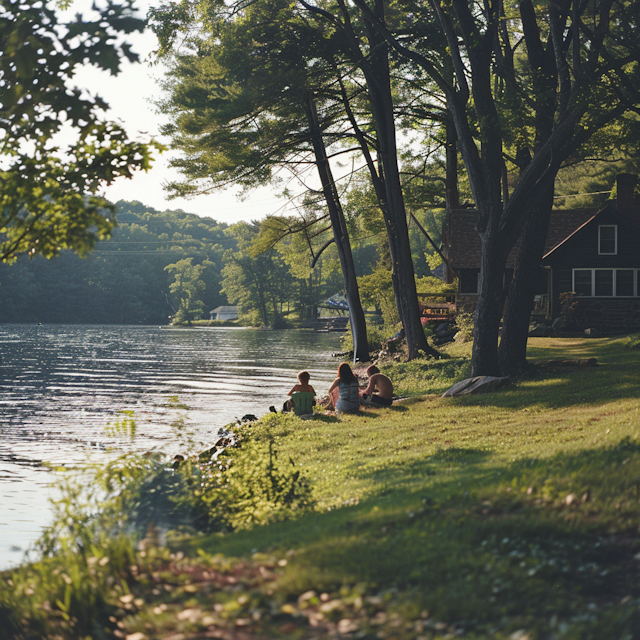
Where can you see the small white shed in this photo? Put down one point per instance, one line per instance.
(224, 313)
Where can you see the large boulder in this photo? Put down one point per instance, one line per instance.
(474, 386)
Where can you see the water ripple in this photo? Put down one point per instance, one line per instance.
(61, 385)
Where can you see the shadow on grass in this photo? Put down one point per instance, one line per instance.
(477, 542)
(370, 412)
(564, 387)
(320, 417)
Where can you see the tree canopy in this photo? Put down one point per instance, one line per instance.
(49, 188)
(526, 85)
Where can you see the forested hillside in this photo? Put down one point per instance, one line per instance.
(159, 265)
(124, 280)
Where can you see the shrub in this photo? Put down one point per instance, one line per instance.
(431, 284)
(465, 324)
(376, 335)
(247, 486)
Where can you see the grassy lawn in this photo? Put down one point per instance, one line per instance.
(514, 514)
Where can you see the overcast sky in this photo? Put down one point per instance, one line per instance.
(131, 96)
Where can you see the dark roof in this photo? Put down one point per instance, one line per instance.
(465, 249)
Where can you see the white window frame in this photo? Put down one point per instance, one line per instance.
(615, 236)
(636, 281)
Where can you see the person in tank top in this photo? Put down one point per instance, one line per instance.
(345, 392)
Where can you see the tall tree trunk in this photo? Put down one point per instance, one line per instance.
(484, 360)
(452, 195)
(512, 352)
(341, 235)
(376, 70)
(277, 319)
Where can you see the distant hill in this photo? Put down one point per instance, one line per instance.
(123, 281)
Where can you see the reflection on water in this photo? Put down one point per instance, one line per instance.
(61, 385)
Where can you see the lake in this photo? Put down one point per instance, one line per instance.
(62, 385)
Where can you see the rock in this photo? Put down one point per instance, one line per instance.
(540, 331)
(592, 332)
(445, 333)
(444, 328)
(474, 386)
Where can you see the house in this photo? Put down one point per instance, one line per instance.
(594, 253)
(224, 313)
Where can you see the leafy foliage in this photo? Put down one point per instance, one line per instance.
(249, 487)
(465, 323)
(48, 194)
(376, 291)
(259, 284)
(187, 287)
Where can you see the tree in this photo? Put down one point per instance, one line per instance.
(187, 287)
(123, 280)
(366, 48)
(259, 283)
(245, 94)
(293, 64)
(526, 86)
(48, 193)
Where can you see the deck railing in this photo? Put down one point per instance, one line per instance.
(437, 306)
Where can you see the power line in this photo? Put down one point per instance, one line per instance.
(575, 195)
(186, 240)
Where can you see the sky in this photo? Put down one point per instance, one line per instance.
(131, 96)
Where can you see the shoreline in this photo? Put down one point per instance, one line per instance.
(513, 514)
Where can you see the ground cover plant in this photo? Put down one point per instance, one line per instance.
(509, 515)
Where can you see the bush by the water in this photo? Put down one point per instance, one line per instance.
(243, 487)
(89, 551)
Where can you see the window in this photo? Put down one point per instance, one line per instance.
(624, 282)
(469, 281)
(607, 239)
(604, 282)
(582, 282)
(607, 283)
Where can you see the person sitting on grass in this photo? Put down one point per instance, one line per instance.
(303, 386)
(345, 392)
(380, 389)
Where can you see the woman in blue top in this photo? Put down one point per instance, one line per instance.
(344, 391)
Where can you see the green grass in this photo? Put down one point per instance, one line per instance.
(515, 514)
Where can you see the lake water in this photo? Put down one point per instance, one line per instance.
(62, 385)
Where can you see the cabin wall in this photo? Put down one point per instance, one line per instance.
(606, 313)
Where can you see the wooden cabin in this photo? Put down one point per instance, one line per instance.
(594, 253)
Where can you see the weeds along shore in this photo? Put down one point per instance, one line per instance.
(514, 514)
